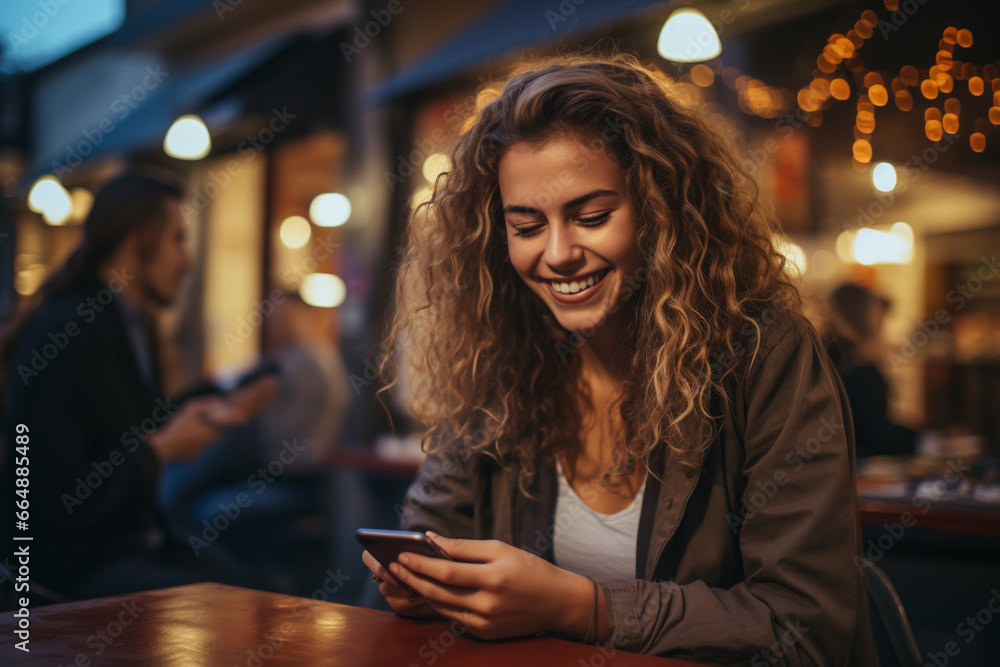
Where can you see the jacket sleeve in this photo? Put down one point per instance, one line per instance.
(797, 604)
(442, 497)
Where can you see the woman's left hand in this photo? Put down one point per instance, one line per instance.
(498, 590)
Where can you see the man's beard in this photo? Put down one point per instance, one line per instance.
(154, 296)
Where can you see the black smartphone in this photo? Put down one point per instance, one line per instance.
(267, 368)
(386, 545)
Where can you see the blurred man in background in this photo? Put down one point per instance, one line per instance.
(81, 376)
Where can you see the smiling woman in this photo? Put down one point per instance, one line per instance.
(610, 358)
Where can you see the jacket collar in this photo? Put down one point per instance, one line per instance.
(664, 501)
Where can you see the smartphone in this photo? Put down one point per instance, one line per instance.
(386, 545)
(265, 369)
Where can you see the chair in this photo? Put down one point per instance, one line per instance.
(889, 608)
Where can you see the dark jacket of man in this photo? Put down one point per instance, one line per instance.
(751, 557)
(76, 384)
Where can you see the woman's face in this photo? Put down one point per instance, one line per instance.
(571, 227)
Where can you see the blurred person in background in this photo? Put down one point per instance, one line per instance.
(855, 346)
(279, 458)
(81, 374)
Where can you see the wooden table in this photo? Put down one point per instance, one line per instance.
(211, 624)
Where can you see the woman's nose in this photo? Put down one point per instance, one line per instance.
(561, 248)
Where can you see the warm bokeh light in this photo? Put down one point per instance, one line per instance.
(323, 290)
(840, 89)
(702, 76)
(878, 95)
(793, 253)
(82, 201)
(435, 164)
(845, 245)
(884, 177)
(976, 86)
(862, 151)
(822, 264)
(421, 195)
(933, 129)
(187, 139)
(330, 209)
(883, 246)
(866, 121)
(295, 231)
(30, 278)
(688, 37)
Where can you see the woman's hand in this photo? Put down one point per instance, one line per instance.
(401, 600)
(500, 591)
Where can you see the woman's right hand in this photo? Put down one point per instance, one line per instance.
(400, 599)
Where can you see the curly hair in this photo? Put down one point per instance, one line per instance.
(487, 357)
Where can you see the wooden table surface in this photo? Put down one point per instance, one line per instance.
(211, 624)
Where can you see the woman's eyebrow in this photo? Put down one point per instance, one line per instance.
(572, 203)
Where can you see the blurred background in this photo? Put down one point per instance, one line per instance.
(305, 131)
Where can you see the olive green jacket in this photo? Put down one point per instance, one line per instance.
(752, 558)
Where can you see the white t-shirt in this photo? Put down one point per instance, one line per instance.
(600, 546)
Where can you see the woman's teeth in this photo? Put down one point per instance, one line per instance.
(578, 286)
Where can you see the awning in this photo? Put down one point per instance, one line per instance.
(144, 127)
(514, 24)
